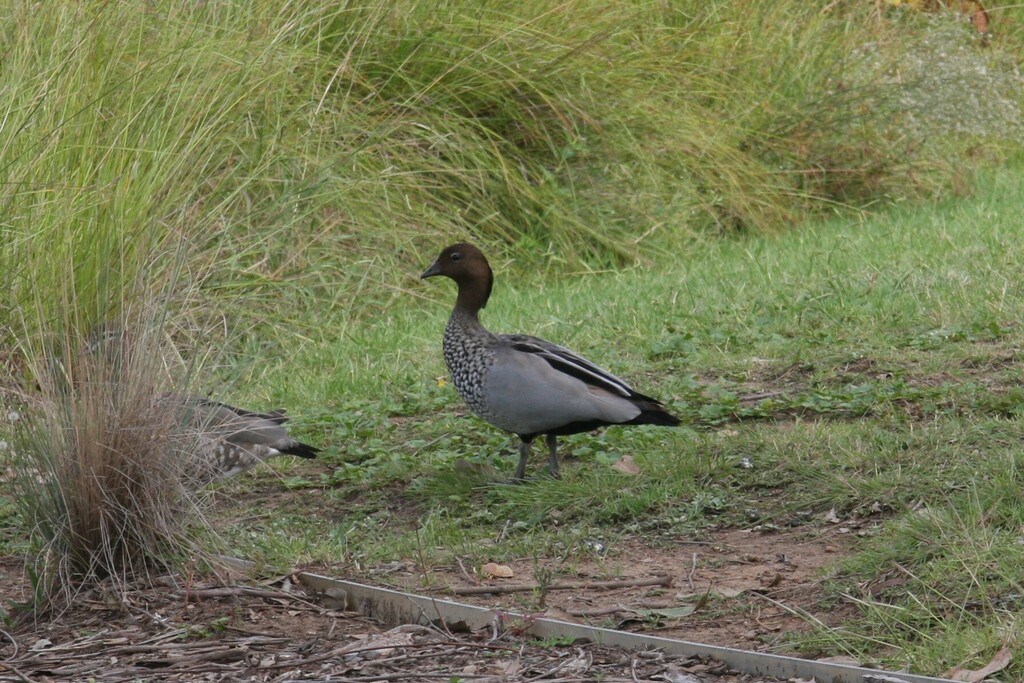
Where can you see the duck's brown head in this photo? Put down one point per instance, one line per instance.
(468, 266)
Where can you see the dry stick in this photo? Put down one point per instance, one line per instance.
(234, 591)
(9, 637)
(391, 661)
(340, 652)
(405, 675)
(605, 611)
(295, 600)
(337, 652)
(77, 644)
(529, 587)
(558, 667)
(693, 570)
(164, 647)
(17, 672)
(761, 396)
(231, 654)
(473, 580)
(81, 669)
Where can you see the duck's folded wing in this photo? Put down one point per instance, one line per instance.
(564, 360)
(275, 416)
(233, 424)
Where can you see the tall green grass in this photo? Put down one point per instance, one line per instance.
(313, 147)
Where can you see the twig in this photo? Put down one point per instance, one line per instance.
(504, 532)
(17, 672)
(406, 675)
(616, 609)
(530, 587)
(219, 655)
(428, 445)
(340, 652)
(761, 396)
(194, 645)
(294, 600)
(550, 672)
(234, 591)
(693, 570)
(473, 580)
(13, 642)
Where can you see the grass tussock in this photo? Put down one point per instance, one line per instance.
(104, 466)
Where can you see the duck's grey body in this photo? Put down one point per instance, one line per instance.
(522, 384)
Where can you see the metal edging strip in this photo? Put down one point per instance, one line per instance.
(395, 607)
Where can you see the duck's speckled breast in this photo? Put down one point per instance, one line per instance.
(468, 353)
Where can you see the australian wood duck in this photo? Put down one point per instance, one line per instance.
(227, 440)
(234, 440)
(522, 384)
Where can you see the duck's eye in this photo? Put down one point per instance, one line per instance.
(456, 256)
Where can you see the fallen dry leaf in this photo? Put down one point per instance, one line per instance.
(674, 675)
(979, 16)
(626, 465)
(998, 662)
(768, 580)
(40, 644)
(384, 645)
(497, 571)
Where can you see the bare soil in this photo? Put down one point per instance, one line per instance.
(747, 588)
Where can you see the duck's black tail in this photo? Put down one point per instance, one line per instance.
(652, 412)
(301, 450)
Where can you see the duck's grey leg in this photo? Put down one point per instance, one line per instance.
(553, 456)
(525, 445)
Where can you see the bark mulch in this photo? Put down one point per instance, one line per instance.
(277, 634)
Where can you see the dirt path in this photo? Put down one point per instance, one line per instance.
(740, 588)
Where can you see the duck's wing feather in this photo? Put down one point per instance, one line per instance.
(564, 360)
(275, 416)
(245, 427)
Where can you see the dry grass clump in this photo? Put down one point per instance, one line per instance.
(103, 468)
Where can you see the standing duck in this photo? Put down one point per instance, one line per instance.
(522, 384)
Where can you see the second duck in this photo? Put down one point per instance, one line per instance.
(522, 384)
